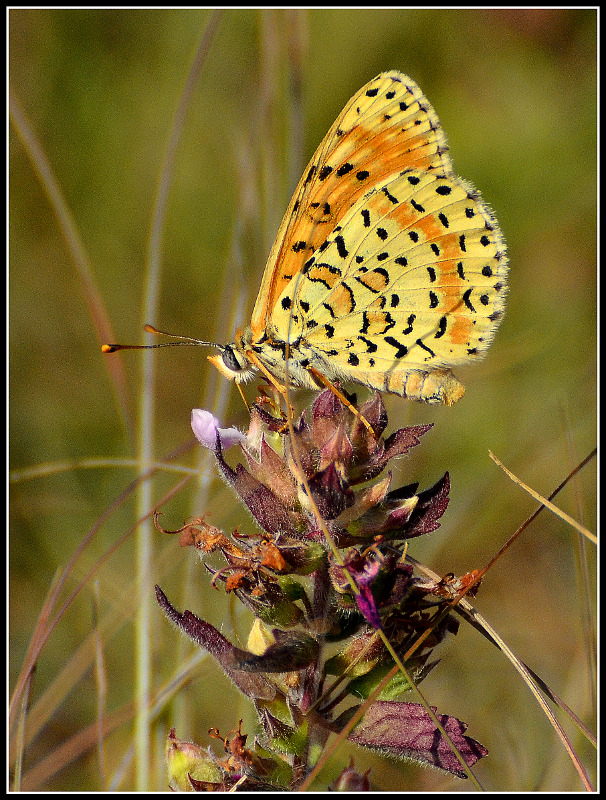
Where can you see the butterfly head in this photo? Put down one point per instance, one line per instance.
(232, 364)
(232, 361)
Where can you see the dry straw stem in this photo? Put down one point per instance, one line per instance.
(558, 511)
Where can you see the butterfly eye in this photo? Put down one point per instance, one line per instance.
(232, 360)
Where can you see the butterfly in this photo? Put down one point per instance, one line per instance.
(387, 269)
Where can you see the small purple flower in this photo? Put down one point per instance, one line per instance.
(365, 600)
(206, 428)
(367, 605)
(370, 570)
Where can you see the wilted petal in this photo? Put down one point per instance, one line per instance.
(407, 730)
(367, 606)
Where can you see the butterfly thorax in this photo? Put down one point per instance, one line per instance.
(248, 356)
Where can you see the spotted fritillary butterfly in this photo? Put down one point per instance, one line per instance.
(387, 269)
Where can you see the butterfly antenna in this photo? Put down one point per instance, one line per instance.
(185, 341)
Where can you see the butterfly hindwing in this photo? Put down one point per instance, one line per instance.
(414, 274)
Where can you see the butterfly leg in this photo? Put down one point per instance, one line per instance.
(280, 388)
(323, 380)
(243, 396)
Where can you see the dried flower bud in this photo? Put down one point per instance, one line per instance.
(187, 761)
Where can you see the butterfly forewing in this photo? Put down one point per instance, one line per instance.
(386, 127)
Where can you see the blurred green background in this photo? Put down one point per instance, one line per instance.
(516, 93)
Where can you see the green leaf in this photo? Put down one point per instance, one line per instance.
(365, 685)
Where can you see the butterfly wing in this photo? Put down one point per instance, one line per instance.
(388, 269)
(386, 127)
(412, 279)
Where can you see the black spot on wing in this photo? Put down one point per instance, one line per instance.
(467, 300)
(424, 347)
(344, 169)
(371, 347)
(441, 328)
(341, 249)
(401, 349)
(389, 196)
(410, 322)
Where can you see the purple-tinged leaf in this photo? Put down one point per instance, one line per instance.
(337, 448)
(402, 440)
(407, 730)
(330, 492)
(265, 507)
(398, 444)
(374, 412)
(327, 407)
(365, 500)
(388, 517)
(432, 503)
(272, 470)
(207, 636)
